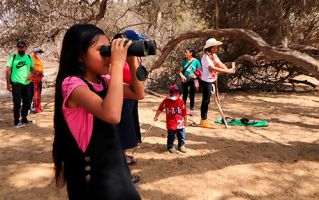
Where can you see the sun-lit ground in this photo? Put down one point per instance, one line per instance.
(276, 162)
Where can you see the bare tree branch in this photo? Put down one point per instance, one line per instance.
(271, 53)
(251, 58)
(99, 15)
(102, 10)
(303, 82)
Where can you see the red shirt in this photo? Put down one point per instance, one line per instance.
(126, 73)
(175, 113)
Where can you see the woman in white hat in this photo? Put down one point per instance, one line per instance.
(211, 66)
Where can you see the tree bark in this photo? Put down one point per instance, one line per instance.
(305, 61)
(99, 15)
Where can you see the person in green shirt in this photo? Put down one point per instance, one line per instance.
(188, 77)
(18, 73)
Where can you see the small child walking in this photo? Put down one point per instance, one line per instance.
(176, 118)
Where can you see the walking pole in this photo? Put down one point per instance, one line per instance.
(149, 128)
(217, 101)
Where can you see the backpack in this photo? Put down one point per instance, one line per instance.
(14, 57)
(199, 73)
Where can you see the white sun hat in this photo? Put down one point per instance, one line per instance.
(212, 42)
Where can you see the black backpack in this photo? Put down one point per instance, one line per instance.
(14, 57)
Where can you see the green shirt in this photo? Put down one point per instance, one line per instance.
(20, 68)
(191, 67)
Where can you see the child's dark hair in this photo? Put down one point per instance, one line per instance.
(76, 42)
(118, 35)
(191, 50)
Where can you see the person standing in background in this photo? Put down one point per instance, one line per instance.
(129, 127)
(187, 74)
(19, 72)
(212, 66)
(36, 84)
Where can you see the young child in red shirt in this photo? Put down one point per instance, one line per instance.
(175, 118)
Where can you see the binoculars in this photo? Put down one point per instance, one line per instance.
(140, 48)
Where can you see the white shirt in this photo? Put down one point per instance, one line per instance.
(207, 75)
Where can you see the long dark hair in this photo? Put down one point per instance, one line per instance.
(76, 42)
(191, 50)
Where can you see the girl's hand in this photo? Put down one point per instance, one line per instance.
(30, 77)
(183, 78)
(155, 118)
(119, 49)
(232, 70)
(193, 76)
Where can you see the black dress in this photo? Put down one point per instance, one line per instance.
(129, 127)
(101, 172)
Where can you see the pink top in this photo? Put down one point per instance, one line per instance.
(79, 121)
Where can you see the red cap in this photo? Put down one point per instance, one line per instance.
(173, 88)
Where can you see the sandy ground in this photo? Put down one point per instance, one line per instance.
(276, 162)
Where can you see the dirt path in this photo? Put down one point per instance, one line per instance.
(277, 162)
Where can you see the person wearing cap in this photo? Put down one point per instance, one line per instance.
(211, 66)
(176, 118)
(129, 126)
(19, 72)
(36, 82)
(132, 35)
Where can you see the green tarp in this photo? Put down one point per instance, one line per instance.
(238, 122)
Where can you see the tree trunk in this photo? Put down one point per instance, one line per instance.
(305, 61)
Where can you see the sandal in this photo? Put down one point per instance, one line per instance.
(135, 178)
(130, 160)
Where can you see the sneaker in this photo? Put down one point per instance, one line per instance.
(26, 121)
(172, 150)
(19, 125)
(204, 123)
(191, 113)
(130, 160)
(135, 178)
(182, 149)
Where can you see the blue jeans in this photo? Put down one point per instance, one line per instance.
(181, 134)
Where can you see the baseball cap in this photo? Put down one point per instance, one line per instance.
(173, 92)
(38, 50)
(21, 44)
(131, 34)
(173, 88)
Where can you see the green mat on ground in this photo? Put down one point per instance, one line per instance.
(239, 122)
